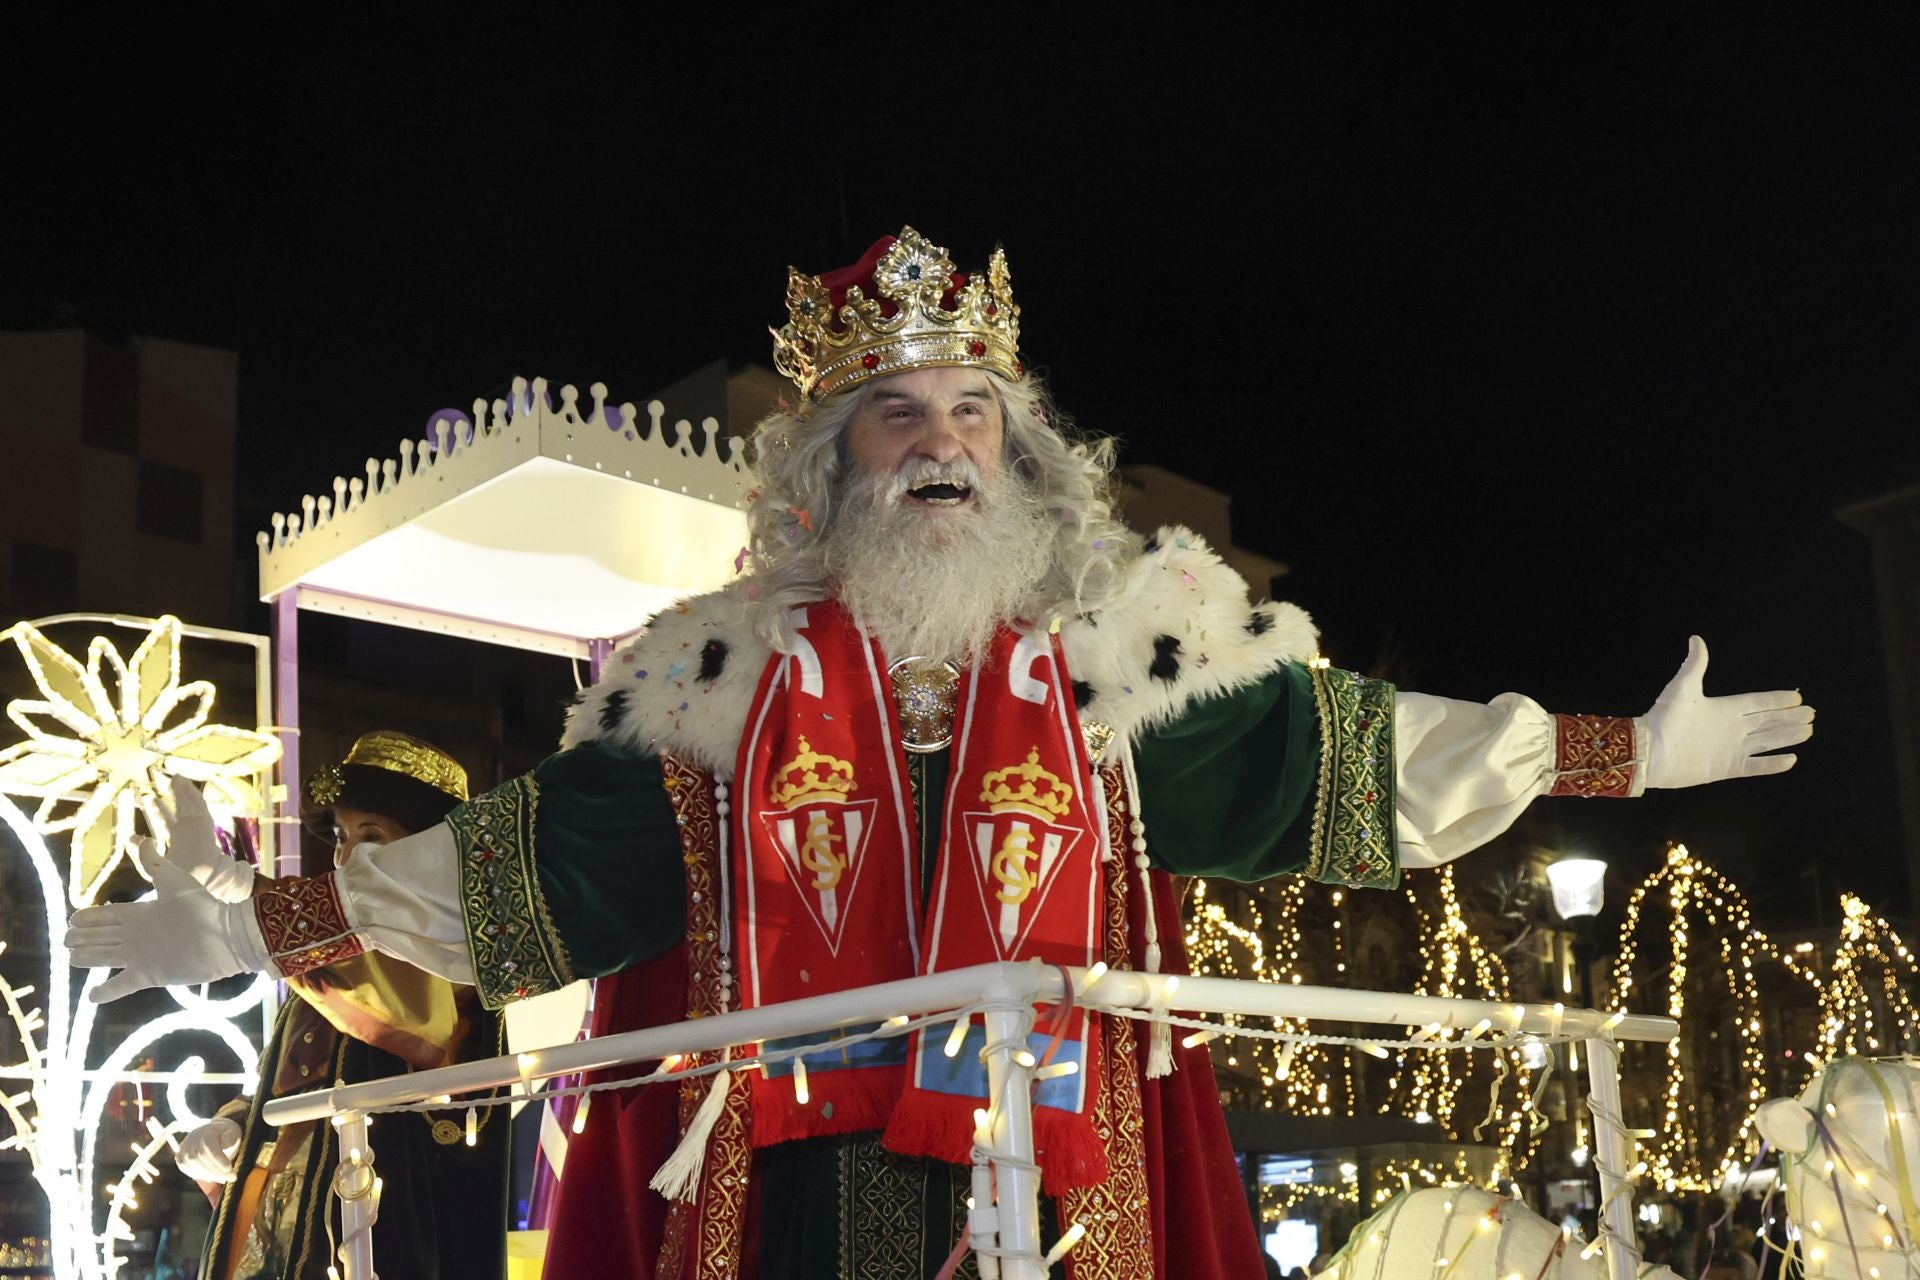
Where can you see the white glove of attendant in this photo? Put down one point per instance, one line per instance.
(184, 935)
(206, 1154)
(193, 846)
(1692, 738)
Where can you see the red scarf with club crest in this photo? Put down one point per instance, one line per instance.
(828, 888)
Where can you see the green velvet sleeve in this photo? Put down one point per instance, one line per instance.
(569, 872)
(1293, 772)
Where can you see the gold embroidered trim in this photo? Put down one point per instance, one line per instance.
(304, 923)
(1119, 1240)
(703, 1240)
(1353, 841)
(516, 950)
(1593, 756)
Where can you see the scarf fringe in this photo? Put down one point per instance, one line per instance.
(1070, 1151)
(855, 1101)
(678, 1177)
(941, 1127)
(1160, 1052)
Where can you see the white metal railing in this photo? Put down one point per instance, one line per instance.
(1004, 1227)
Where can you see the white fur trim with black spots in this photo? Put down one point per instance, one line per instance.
(1180, 630)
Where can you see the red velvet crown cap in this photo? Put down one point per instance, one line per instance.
(861, 273)
(900, 306)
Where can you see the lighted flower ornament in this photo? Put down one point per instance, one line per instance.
(98, 759)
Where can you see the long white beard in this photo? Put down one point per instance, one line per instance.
(935, 584)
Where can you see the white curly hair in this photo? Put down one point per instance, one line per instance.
(803, 468)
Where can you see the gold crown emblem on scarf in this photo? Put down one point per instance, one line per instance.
(1026, 787)
(912, 311)
(811, 775)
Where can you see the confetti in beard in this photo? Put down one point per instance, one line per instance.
(937, 582)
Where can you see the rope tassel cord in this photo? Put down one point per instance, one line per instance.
(678, 1177)
(1160, 1062)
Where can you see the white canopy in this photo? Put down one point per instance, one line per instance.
(540, 529)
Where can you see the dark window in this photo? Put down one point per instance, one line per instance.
(167, 502)
(44, 579)
(110, 399)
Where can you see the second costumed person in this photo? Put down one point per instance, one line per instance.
(443, 1203)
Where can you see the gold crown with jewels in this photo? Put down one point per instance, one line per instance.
(1039, 791)
(901, 307)
(811, 774)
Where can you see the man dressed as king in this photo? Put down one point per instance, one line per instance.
(955, 713)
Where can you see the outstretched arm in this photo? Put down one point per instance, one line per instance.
(1348, 780)
(575, 868)
(1467, 770)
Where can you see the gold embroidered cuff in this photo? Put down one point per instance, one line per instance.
(516, 950)
(1353, 815)
(1593, 756)
(304, 923)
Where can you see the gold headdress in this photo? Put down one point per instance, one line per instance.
(901, 307)
(395, 753)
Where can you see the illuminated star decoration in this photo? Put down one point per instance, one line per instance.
(95, 760)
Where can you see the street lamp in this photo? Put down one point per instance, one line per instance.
(1579, 890)
(1579, 886)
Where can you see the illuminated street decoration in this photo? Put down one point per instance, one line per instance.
(1866, 1003)
(1486, 1089)
(1703, 907)
(96, 760)
(103, 738)
(56, 1118)
(1456, 963)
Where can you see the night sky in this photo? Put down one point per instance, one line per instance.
(1530, 349)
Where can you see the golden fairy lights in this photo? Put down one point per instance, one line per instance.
(1866, 998)
(1302, 1079)
(1456, 964)
(1698, 1143)
(1233, 933)
(1688, 948)
(1704, 1115)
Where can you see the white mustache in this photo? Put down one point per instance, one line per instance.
(923, 471)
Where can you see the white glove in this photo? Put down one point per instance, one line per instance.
(206, 1154)
(193, 846)
(1692, 738)
(182, 936)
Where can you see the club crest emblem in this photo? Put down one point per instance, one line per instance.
(1018, 845)
(820, 830)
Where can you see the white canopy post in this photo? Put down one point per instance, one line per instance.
(1009, 1140)
(359, 1191)
(1612, 1157)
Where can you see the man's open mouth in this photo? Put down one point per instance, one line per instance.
(941, 494)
